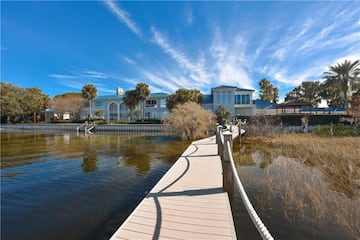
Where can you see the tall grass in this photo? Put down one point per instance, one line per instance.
(309, 178)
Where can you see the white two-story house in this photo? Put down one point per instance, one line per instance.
(115, 110)
(238, 101)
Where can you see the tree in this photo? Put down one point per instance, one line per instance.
(268, 92)
(100, 114)
(9, 101)
(131, 101)
(222, 115)
(133, 97)
(70, 102)
(190, 121)
(306, 92)
(275, 95)
(26, 102)
(143, 93)
(343, 77)
(33, 101)
(89, 92)
(183, 95)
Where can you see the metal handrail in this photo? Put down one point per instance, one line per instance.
(79, 127)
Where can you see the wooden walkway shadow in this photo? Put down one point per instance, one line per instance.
(187, 203)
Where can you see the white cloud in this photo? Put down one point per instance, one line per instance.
(62, 76)
(348, 57)
(123, 16)
(280, 53)
(128, 60)
(195, 70)
(92, 74)
(231, 61)
(189, 15)
(161, 82)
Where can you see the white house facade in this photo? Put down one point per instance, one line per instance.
(114, 109)
(238, 101)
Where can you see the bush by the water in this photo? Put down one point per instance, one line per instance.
(190, 121)
(339, 130)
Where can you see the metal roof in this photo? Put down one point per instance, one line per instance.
(236, 88)
(152, 95)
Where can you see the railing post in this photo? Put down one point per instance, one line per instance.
(218, 139)
(228, 177)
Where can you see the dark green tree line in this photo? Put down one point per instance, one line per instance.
(24, 102)
(306, 92)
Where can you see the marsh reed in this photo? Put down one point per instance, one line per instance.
(307, 179)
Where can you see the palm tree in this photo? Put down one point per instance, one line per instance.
(89, 92)
(344, 75)
(143, 92)
(130, 100)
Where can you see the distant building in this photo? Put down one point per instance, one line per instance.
(115, 110)
(237, 100)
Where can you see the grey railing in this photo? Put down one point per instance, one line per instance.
(224, 140)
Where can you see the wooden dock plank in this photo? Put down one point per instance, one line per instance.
(187, 203)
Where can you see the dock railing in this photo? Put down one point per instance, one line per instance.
(224, 140)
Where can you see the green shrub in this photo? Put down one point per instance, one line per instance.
(338, 130)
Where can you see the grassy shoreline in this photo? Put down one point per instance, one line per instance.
(314, 181)
(337, 157)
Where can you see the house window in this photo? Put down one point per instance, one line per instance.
(151, 103)
(217, 97)
(163, 103)
(123, 107)
(99, 103)
(86, 104)
(112, 112)
(242, 99)
(246, 99)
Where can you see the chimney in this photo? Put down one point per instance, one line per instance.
(119, 91)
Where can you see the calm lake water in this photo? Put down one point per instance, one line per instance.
(295, 200)
(66, 186)
(77, 187)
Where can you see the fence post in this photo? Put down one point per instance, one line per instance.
(218, 140)
(228, 177)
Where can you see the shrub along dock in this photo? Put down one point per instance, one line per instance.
(187, 203)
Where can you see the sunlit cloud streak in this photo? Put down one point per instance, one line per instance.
(123, 16)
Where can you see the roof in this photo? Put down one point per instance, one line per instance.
(152, 95)
(259, 104)
(223, 86)
(293, 103)
(236, 88)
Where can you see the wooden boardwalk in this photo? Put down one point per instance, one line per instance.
(187, 203)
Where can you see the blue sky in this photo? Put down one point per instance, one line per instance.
(59, 46)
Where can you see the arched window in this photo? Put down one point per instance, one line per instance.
(113, 113)
(124, 112)
(123, 107)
